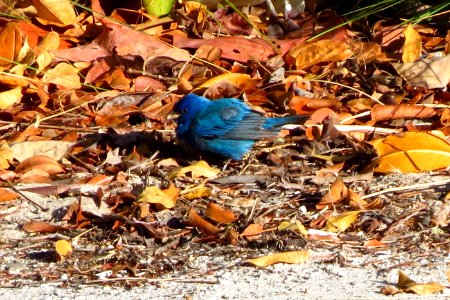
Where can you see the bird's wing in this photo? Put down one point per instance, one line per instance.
(230, 119)
(219, 118)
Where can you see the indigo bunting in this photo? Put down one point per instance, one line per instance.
(226, 127)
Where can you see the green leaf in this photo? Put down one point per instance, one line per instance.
(158, 7)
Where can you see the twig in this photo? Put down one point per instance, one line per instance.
(26, 197)
(408, 187)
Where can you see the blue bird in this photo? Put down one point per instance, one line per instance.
(226, 127)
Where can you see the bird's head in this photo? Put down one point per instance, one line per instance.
(188, 108)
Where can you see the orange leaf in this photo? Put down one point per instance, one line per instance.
(290, 257)
(197, 221)
(218, 214)
(390, 112)
(309, 54)
(252, 231)
(11, 41)
(7, 195)
(40, 162)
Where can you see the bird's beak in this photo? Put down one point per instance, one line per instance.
(172, 116)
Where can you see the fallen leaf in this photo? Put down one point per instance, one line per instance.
(430, 73)
(10, 97)
(392, 112)
(412, 49)
(41, 162)
(64, 76)
(11, 40)
(41, 227)
(309, 54)
(406, 284)
(153, 194)
(252, 232)
(55, 12)
(338, 192)
(291, 257)
(342, 221)
(219, 214)
(5, 155)
(411, 152)
(63, 248)
(7, 195)
(53, 149)
(197, 221)
(200, 169)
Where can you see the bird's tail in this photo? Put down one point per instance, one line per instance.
(276, 123)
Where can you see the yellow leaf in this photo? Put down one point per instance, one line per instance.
(297, 226)
(154, 194)
(341, 222)
(197, 192)
(406, 284)
(5, 155)
(198, 170)
(413, 45)
(10, 97)
(63, 248)
(238, 79)
(64, 76)
(291, 257)
(56, 12)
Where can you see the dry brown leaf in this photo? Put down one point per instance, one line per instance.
(41, 227)
(54, 149)
(306, 55)
(291, 257)
(338, 192)
(197, 221)
(430, 73)
(41, 162)
(412, 49)
(219, 214)
(392, 112)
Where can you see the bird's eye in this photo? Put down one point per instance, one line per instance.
(185, 110)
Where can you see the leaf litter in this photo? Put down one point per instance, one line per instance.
(87, 132)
